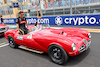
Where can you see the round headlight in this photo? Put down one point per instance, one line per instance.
(89, 35)
(73, 46)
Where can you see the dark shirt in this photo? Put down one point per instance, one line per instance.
(1, 20)
(21, 22)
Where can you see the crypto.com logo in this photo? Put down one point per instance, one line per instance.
(58, 20)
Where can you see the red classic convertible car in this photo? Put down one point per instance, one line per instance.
(3, 29)
(58, 43)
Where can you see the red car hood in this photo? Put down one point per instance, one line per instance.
(71, 35)
(75, 30)
(2, 26)
(56, 33)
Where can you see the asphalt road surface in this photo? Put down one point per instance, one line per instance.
(10, 57)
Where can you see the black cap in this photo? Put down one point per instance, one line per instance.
(20, 12)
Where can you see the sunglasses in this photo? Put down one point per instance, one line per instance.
(22, 14)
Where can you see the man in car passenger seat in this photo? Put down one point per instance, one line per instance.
(22, 23)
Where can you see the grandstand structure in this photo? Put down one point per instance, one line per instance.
(49, 7)
(62, 7)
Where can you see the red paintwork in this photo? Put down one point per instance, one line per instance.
(3, 26)
(41, 40)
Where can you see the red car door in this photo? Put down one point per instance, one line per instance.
(31, 43)
(28, 41)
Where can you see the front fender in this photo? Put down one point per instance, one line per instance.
(10, 33)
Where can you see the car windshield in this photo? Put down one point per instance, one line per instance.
(43, 26)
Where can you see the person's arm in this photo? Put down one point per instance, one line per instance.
(2, 21)
(18, 27)
(26, 23)
(17, 24)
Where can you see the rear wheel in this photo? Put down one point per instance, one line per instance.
(57, 54)
(12, 43)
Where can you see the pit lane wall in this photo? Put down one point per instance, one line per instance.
(84, 20)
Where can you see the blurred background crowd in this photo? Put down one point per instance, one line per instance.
(48, 7)
(57, 3)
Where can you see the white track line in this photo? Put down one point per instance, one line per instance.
(4, 45)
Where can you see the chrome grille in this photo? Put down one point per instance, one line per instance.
(82, 48)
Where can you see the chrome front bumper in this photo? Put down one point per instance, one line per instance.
(88, 44)
(83, 48)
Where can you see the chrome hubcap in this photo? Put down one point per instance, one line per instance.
(11, 43)
(57, 53)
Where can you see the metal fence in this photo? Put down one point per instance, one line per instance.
(62, 7)
(57, 7)
(6, 11)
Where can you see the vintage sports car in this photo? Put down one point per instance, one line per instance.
(3, 29)
(58, 43)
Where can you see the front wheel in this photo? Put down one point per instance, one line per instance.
(12, 43)
(57, 54)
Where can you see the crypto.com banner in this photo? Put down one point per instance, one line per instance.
(84, 20)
